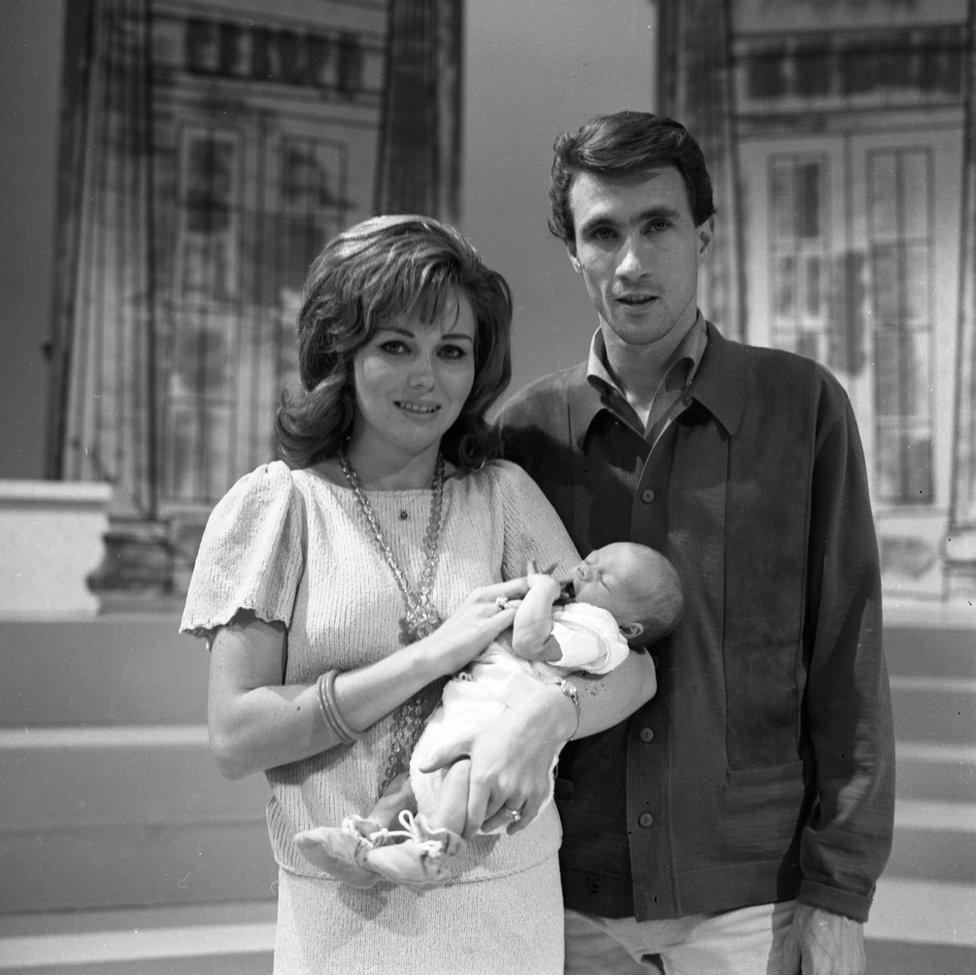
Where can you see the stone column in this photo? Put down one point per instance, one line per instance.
(418, 165)
(104, 416)
(960, 548)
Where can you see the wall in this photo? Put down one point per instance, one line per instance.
(533, 71)
(30, 60)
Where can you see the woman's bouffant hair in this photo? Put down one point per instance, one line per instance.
(365, 278)
(621, 145)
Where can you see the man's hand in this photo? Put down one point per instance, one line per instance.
(821, 943)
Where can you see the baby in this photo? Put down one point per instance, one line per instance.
(622, 595)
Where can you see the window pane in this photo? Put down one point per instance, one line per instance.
(799, 269)
(915, 194)
(916, 284)
(881, 196)
(918, 468)
(813, 285)
(885, 279)
(887, 378)
(899, 189)
(888, 462)
(808, 210)
(785, 291)
(782, 203)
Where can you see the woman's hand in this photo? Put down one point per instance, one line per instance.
(511, 761)
(472, 626)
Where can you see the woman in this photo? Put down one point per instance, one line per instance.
(321, 586)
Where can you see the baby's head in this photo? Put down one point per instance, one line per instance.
(637, 585)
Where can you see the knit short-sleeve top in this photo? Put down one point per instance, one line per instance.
(292, 546)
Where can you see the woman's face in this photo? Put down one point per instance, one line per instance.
(412, 380)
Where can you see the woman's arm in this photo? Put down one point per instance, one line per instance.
(608, 699)
(256, 722)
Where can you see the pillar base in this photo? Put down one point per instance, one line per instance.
(138, 559)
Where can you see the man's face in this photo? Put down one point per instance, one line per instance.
(638, 250)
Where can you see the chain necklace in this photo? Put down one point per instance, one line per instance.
(421, 617)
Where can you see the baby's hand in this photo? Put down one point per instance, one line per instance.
(541, 579)
(535, 577)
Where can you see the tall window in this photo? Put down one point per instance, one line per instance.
(313, 207)
(900, 249)
(239, 266)
(799, 249)
(203, 337)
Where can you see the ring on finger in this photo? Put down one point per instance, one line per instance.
(516, 814)
(501, 602)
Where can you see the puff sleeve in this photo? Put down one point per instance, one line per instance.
(251, 555)
(532, 527)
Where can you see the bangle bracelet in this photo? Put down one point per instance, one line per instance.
(570, 690)
(333, 716)
(326, 712)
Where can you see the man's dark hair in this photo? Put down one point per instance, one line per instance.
(621, 145)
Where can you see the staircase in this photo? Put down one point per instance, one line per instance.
(123, 851)
(923, 921)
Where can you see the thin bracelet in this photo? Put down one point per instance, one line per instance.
(332, 714)
(570, 690)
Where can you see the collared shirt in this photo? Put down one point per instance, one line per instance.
(679, 371)
(762, 769)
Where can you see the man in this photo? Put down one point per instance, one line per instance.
(737, 822)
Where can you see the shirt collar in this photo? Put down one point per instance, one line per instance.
(688, 354)
(718, 378)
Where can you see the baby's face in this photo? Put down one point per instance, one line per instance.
(603, 579)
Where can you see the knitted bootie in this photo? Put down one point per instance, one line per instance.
(341, 851)
(419, 858)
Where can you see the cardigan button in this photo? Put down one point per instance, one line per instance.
(647, 734)
(647, 495)
(645, 820)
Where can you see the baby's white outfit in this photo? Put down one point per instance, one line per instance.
(590, 641)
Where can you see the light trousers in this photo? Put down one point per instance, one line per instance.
(748, 941)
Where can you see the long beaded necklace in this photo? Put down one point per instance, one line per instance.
(421, 617)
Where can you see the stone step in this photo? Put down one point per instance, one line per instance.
(942, 772)
(937, 641)
(137, 670)
(915, 927)
(217, 939)
(934, 841)
(110, 817)
(930, 710)
(134, 865)
(913, 958)
(108, 670)
(139, 774)
(922, 927)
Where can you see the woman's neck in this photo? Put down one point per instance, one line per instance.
(392, 470)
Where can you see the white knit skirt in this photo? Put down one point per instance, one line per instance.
(503, 926)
